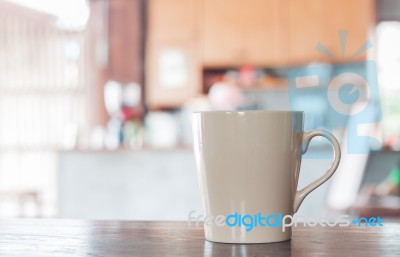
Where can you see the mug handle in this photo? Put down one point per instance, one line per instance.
(307, 136)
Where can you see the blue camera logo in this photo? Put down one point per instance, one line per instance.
(339, 97)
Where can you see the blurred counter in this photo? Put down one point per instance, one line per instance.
(139, 185)
(147, 184)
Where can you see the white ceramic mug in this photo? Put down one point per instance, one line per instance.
(248, 163)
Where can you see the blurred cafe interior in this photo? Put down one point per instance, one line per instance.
(96, 99)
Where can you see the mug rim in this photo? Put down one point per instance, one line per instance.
(249, 111)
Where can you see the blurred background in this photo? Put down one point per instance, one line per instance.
(96, 98)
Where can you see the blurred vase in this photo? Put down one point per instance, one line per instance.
(161, 130)
(113, 97)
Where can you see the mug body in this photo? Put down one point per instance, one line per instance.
(248, 165)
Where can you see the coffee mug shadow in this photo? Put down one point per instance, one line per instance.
(212, 249)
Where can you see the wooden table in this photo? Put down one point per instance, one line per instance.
(26, 237)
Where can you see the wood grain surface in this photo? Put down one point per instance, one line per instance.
(51, 237)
